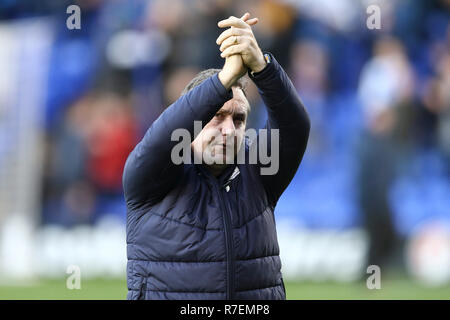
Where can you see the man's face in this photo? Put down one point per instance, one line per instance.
(221, 138)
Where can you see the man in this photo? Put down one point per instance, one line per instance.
(197, 231)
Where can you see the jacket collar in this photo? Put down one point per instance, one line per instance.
(227, 175)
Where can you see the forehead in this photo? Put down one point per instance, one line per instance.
(238, 104)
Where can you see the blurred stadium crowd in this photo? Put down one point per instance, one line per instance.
(379, 102)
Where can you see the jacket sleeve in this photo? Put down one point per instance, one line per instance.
(149, 172)
(287, 114)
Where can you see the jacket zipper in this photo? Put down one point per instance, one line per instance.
(229, 244)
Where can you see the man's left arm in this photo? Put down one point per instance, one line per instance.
(287, 114)
(285, 109)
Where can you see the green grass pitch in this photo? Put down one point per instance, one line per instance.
(397, 288)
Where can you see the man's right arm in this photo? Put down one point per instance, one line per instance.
(149, 171)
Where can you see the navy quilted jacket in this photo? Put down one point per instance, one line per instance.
(191, 235)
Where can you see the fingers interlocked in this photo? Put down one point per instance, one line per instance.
(238, 38)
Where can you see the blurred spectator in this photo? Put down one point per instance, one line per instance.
(387, 96)
(88, 156)
(110, 138)
(66, 182)
(436, 98)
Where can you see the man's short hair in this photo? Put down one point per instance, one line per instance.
(205, 74)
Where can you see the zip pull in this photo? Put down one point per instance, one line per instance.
(227, 186)
(233, 175)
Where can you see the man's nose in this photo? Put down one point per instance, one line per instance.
(228, 127)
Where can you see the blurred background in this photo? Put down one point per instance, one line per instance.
(373, 187)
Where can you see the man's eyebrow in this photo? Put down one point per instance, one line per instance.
(240, 114)
(236, 113)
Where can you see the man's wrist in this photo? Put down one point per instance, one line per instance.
(226, 80)
(263, 67)
(260, 66)
(266, 59)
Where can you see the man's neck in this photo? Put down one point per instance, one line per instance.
(216, 171)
